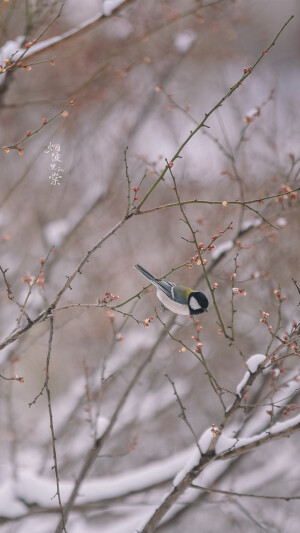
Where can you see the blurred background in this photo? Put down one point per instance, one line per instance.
(140, 80)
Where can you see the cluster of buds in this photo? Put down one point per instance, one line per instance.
(275, 373)
(264, 319)
(289, 408)
(40, 280)
(278, 296)
(133, 444)
(247, 69)
(264, 314)
(199, 328)
(285, 188)
(252, 114)
(147, 321)
(226, 172)
(199, 347)
(182, 349)
(109, 296)
(215, 431)
(7, 65)
(236, 290)
(294, 348)
(27, 279)
(135, 190)
(17, 378)
(277, 293)
(196, 338)
(241, 245)
(197, 260)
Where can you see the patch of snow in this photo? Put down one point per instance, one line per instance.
(10, 507)
(242, 383)
(7, 51)
(281, 222)
(254, 361)
(221, 249)
(184, 40)
(205, 439)
(281, 426)
(56, 231)
(225, 443)
(110, 5)
(102, 424)
(247, 224)
(193, 461)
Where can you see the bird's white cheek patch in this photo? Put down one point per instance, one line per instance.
(194, 304)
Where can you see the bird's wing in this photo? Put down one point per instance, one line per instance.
(180, 294)
(165, 286)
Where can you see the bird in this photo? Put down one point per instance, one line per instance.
(177, 298)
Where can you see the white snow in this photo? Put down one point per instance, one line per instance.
(254, 112)
(56, 231)
(277, 428)
(10, 507)
(221, 248)
(102, 424)
(281, 426)
(110, 5)
(11, 47)
(247, 224)
(193, 461)
(242, 383)
(281, 397)
(281, 222)
(34, 488)
(205, 439)
(225, 443)
(184, 40)
(254, 361)
(7, 50)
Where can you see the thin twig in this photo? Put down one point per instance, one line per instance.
(52, 427)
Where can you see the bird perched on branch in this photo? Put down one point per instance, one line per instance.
(181, 300)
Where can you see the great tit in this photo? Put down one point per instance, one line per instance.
(181, 300)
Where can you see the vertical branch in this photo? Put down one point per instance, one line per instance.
(211, 290)
(52, 425)
(182, 412)
(128, 182)
(233, 311)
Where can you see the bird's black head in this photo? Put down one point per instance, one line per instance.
(197, 302)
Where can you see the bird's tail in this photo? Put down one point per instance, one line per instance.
(145, 273)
